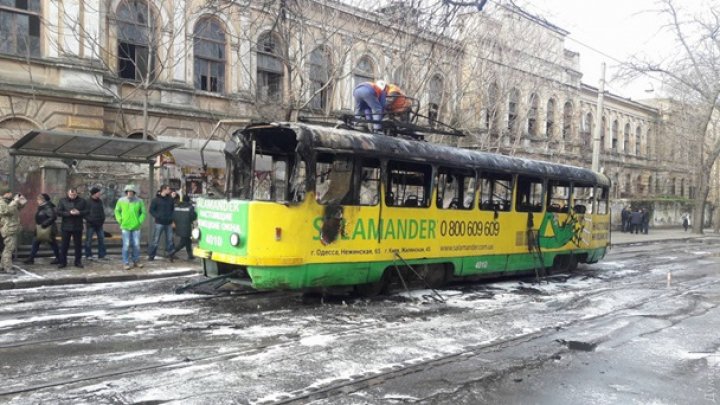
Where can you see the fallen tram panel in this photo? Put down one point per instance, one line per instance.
(309, 206)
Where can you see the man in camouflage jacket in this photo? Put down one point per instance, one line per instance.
(10, 207)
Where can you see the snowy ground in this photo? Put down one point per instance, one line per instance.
(632, 329)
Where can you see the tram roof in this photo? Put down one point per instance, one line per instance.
(321, 137)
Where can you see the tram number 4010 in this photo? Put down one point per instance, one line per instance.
(469, 228)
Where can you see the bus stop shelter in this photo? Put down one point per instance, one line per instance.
(72, 146)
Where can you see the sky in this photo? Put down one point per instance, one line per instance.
(611, 31)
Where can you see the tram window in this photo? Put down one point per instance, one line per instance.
(582, 198)
(297, 182)
(495, 192)
(529, 194)
(408, 185)
(558, 197)
(370, 182)
(333, 179)
(456, 189)
(602, 202)
(270, 178)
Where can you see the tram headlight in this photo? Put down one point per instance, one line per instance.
(195, 233)
(235, 239)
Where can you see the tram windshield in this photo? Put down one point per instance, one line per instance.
(265, 166)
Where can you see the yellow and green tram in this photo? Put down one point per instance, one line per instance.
(310, 206)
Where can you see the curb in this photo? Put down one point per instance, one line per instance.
(11, 285)
(699, 238)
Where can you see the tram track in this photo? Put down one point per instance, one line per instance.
(344, 386)
(365, 380)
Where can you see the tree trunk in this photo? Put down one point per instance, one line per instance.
(698, 214)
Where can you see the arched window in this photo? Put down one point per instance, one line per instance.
(682, 187)
(638, 137)
(513, 99)
(364, 71)
(319, 75)
(398, 76)
(491, 119)
(209, 50)
(672, 186)
(649, 185)
(436, 92)
(646, 143)
(626, 139)
(20, 27)
(532, 115)
(602, 133)
(628, 184)
(614, 145)
(587, 129)
(269, 68)
(136, 40)
(550, 118)
(567, 120)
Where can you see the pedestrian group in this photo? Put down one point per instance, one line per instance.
(171, 214)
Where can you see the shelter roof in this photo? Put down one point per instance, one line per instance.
(66, 145)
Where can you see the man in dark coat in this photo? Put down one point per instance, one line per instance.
(45, 217)
(635, 221)
(161, 208)
(183, 218)
(72, 210)
(94, 223)
(625, 216)
(645, 220)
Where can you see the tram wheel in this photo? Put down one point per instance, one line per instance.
(372, 289)
(565, 264)
(435, 275)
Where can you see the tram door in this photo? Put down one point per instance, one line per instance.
(347, 187)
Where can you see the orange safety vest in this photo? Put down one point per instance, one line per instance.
(397, 102)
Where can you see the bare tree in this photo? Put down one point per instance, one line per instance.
(692, 78)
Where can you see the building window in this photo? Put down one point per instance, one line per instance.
(626, 139)
(603, 125)
(614, 145)
(209, 48)
(20, 27)
(269, 69)
(532, 115)
(436, 90)
(567, 120)
(638, 136)
(398, 76)
(513, 108)
(491, 122)
(364, 71)
(587, 129)
(319, 76)
(135, 24)
(550, 118)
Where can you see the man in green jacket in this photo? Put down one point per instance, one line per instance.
(10, 207)
(130, 215)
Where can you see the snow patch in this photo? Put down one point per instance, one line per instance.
(318, 340)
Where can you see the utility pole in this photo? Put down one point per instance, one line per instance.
(598, 121)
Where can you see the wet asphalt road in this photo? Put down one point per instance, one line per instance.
(616, 332)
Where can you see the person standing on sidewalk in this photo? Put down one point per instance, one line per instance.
(10, 207)
(645, 220)
(686, 221)
(72, 210)
(94, 224)
(130, 215)
(161, 208)
(45, 220)
(183, 218)
(635, 221)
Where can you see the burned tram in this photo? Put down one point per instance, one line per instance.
(309, 206)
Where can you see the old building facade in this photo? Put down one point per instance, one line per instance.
(137, 68)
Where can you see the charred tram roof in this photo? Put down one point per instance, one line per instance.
(380, 146)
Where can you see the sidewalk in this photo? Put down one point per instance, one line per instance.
(109, 269)
(654, 235)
